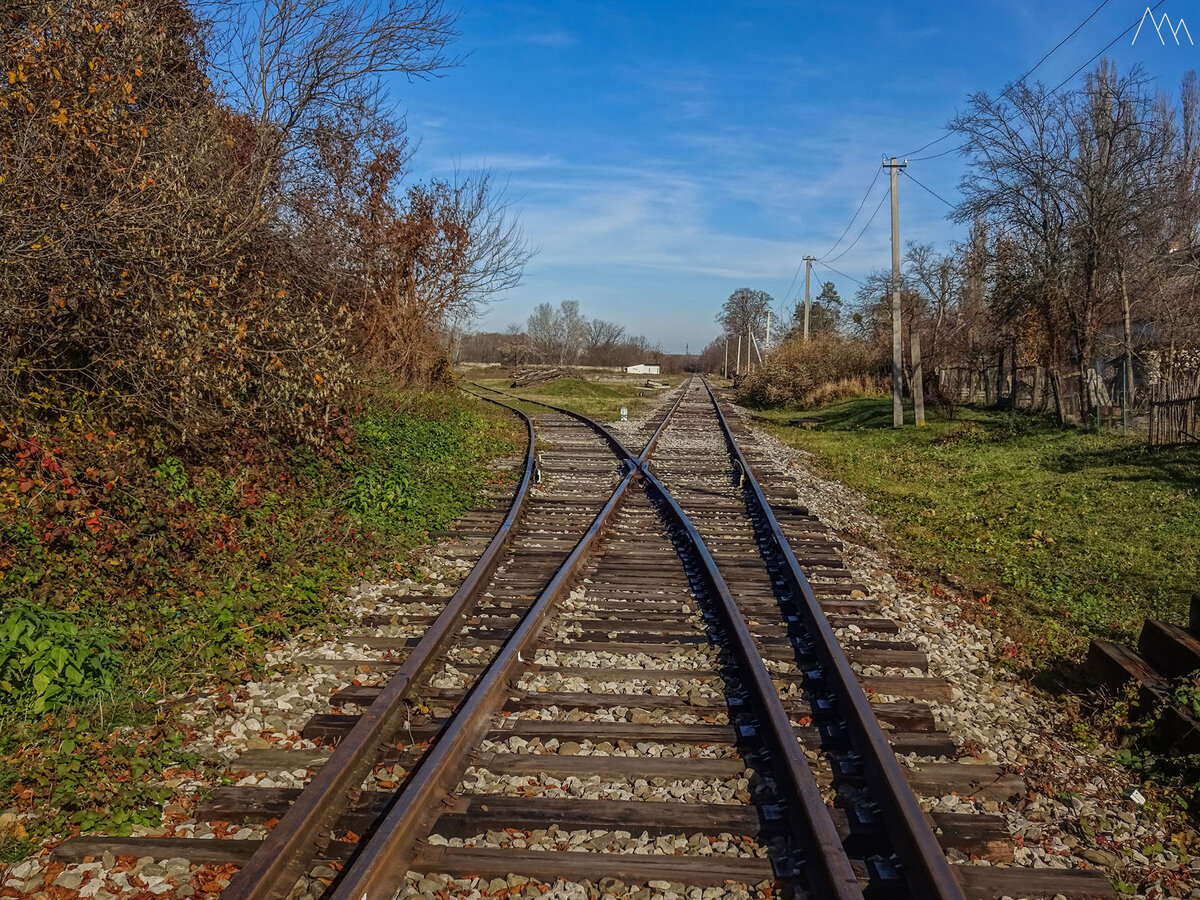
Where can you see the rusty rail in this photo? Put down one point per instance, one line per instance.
(388, 855)
(303, 831)
(807, 810)
(925, 865)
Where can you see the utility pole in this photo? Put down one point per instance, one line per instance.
(738, 371)
(897, 344)
(809, 260)
(918, 378)
(749, 360)
(768, 343)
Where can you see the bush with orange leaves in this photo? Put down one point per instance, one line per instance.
(129, 281)
(807, 373)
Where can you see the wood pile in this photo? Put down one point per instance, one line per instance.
(1165, 653)
(537, 376)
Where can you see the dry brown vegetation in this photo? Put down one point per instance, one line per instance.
(200, 254)
(806, 373)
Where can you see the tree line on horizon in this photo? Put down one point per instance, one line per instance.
(560, 336)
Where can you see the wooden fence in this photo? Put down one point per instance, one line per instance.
(1174, 421)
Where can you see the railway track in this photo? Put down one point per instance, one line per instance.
(654, 680)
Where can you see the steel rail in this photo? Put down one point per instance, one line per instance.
(929, 873)
(808, 812)
(385, 858)
(303, 830)
(826, 854)
(382, 863)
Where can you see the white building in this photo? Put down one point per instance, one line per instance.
(641, 369)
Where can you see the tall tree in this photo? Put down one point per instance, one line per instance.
(745, 308)
(825, 314)
(1019, 146)
(603, 338)
(542, 328)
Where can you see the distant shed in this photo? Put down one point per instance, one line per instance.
(641, 369)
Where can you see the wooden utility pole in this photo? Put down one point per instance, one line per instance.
(808, 260)
(897, 343)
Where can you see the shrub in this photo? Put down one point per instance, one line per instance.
(137, 275)
(47, 661)
(805, 373)
(199, 562)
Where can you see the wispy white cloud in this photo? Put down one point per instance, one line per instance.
(505, 163)
(554, 39)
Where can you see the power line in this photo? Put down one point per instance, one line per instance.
(878, 207)
(788, 292)
(843, 274)
(1035, 67)
(928, 190)
(930, 144)
(948, 134)
(1059, 44)
(852, 220)
(1106, 46)
(936, 155)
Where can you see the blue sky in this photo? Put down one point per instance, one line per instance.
(662, 154)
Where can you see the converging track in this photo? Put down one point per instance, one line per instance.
(659, 676)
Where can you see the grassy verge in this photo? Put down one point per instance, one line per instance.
(127, 572)
(597, 400)
(1064, 534)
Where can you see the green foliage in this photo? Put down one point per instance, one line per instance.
(90, 780)
(200, 563)
(194, 566)
(47, 661)
(1187, 693)
(414, 469)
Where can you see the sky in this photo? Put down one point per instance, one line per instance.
(660, 155)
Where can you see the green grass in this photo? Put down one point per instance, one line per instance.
(597, 400)
(1064, 534)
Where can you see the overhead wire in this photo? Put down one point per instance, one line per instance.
(878, 207)
(850, 224)
(1033, 69)
(1104, 49)
(826, 256)
(843, 274)
(788, 292)
(927, 189)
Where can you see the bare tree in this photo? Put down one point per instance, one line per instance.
(603, 338)
(293, 65)
(1020, 145)
(937, 277)
(745, 308)
(572, 331)
(542, 328)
